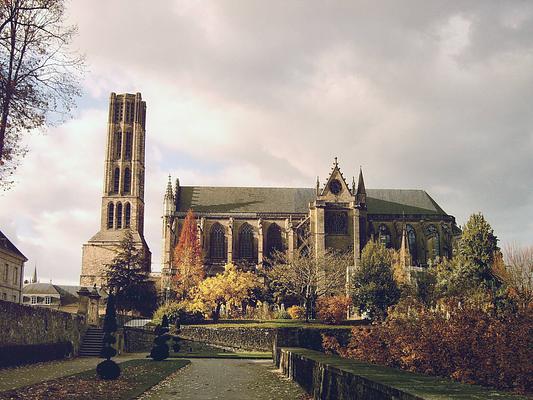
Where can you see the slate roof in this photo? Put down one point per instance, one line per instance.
(67, 293)
(6, 244)
(213, 199)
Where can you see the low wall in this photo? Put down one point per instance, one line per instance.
(241, 338)
(263, 339)
(32, 334)
(138, 340)
(333, 378)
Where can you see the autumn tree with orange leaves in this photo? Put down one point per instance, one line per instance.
(187, 260)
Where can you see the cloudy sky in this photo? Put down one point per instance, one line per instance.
(423, 94)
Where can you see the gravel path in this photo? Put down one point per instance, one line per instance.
(13, 378)
(224, 379)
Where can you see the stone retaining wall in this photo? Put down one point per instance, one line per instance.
(30, 334)
(241, 338)
(263, 339)
(328, 377)
(138, 340)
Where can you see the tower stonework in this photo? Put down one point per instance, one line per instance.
(123, 190)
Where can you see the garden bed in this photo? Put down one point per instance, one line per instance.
(137, 377)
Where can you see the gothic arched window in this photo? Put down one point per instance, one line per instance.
(246, 242)
(385, 236)
(127, 215)
(118, 145)
(129, 142)
(116, 180)
(119, 215)
(433, 242)
(127, 181)
(217, 249)
(110, 215)
(411, 240)
(274, 241)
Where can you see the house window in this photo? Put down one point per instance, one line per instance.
(47, 300)
(6, 272)
(15, 276)
(33, 299)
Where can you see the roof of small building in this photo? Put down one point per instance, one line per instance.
(213, 199)
(6, 244)
(67, 293)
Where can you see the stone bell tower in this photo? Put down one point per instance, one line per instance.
(123, 192)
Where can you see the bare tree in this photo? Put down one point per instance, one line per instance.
(308, 277)
(519, 271)
(39, 74)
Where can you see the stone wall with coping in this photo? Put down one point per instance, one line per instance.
(263, 339)
(37, 331)
(239, 338)
(138, 340)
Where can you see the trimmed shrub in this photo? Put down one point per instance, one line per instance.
(160, 351)
(296, 312)
(109, 369)
(333, 309)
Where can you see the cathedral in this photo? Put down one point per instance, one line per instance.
(245, 225)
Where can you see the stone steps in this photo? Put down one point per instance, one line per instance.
(92, 343)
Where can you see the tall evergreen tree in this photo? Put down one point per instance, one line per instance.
(127, 277)
(476, 251)
(188, 260)
(373, 282)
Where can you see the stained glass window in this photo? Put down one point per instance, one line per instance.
(385, 236)
(246, 242)
(274, 241)
(216, 240)
(337, 222)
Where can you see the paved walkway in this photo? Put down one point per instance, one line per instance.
(224, 379)
(12, 378)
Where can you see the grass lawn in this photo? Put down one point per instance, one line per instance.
(137, 376)
(275, 323)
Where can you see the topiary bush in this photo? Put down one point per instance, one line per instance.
(109, 369)
(160, 351)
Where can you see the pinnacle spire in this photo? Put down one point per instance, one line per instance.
(360, 194)
(317, 186)
(168, 193)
